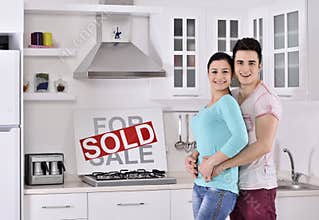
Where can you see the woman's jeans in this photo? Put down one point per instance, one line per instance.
(212, 204)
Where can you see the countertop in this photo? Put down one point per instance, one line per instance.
(73, 184)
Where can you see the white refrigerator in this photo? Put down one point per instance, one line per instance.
(10, 161)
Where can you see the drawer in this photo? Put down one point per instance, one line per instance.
(55, 207)
(142, 205)
(181, 204)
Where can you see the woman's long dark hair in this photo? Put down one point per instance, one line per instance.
(222, 56)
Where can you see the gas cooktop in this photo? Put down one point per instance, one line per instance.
(128, 178)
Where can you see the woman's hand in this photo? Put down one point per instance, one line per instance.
(191, 164)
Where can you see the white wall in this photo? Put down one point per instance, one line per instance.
(298, 132)
(49, 125)
(313, 46)
(49, 128)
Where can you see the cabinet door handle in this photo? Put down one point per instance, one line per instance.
(189, 201)
(73, 218)
(131, 204)
(57, 207)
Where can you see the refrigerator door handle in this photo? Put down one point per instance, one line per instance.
(7, 128)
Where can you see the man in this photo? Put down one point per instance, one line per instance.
(261, 110)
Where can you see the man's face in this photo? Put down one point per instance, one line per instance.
(247, 67)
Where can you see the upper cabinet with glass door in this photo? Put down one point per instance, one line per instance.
(185, 56)
(258, 31)
(288, 50)
(187, 38)
(227, 36)
(176, 35)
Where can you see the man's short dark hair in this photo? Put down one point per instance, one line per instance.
(248, 44)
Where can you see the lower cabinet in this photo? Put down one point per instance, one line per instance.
(144, 205)
(139, 205)
(181, 205)
(289, 207)
(296, 208)
(56, 207)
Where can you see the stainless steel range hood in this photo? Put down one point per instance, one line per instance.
(116, 58)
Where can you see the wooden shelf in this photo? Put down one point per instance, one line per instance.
(48, 97)
(32, 8)
(50, 52)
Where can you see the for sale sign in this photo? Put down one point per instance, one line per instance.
(111, 140)
(118, 140)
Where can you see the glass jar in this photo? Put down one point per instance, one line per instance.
(60, 85)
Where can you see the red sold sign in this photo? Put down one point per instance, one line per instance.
(118, 140)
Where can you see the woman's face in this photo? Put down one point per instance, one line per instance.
(219, 75)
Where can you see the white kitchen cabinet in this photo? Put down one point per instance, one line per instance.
(181, 204)
(179, 43)
(223, 32)
(281, 29)
(224, 28)
(11, 16)
(296, 208)
(143, 205)
(287, 48)
(258, 27)
(56, 207)
(10, 87)
(214, 32)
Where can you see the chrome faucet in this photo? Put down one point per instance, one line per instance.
(294, 175)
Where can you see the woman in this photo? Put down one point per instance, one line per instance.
(220, 133)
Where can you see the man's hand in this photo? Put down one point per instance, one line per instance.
(218, 170)
(191, 164)
(206, 168)
(209, 163)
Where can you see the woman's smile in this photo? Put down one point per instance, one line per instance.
(219, 75)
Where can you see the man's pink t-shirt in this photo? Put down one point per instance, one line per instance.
(260, 173)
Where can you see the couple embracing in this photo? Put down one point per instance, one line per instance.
(233, 164)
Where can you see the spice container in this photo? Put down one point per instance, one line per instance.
(60, 85)
(26, 86)
(41, 82)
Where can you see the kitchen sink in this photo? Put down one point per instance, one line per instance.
(288, 185)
